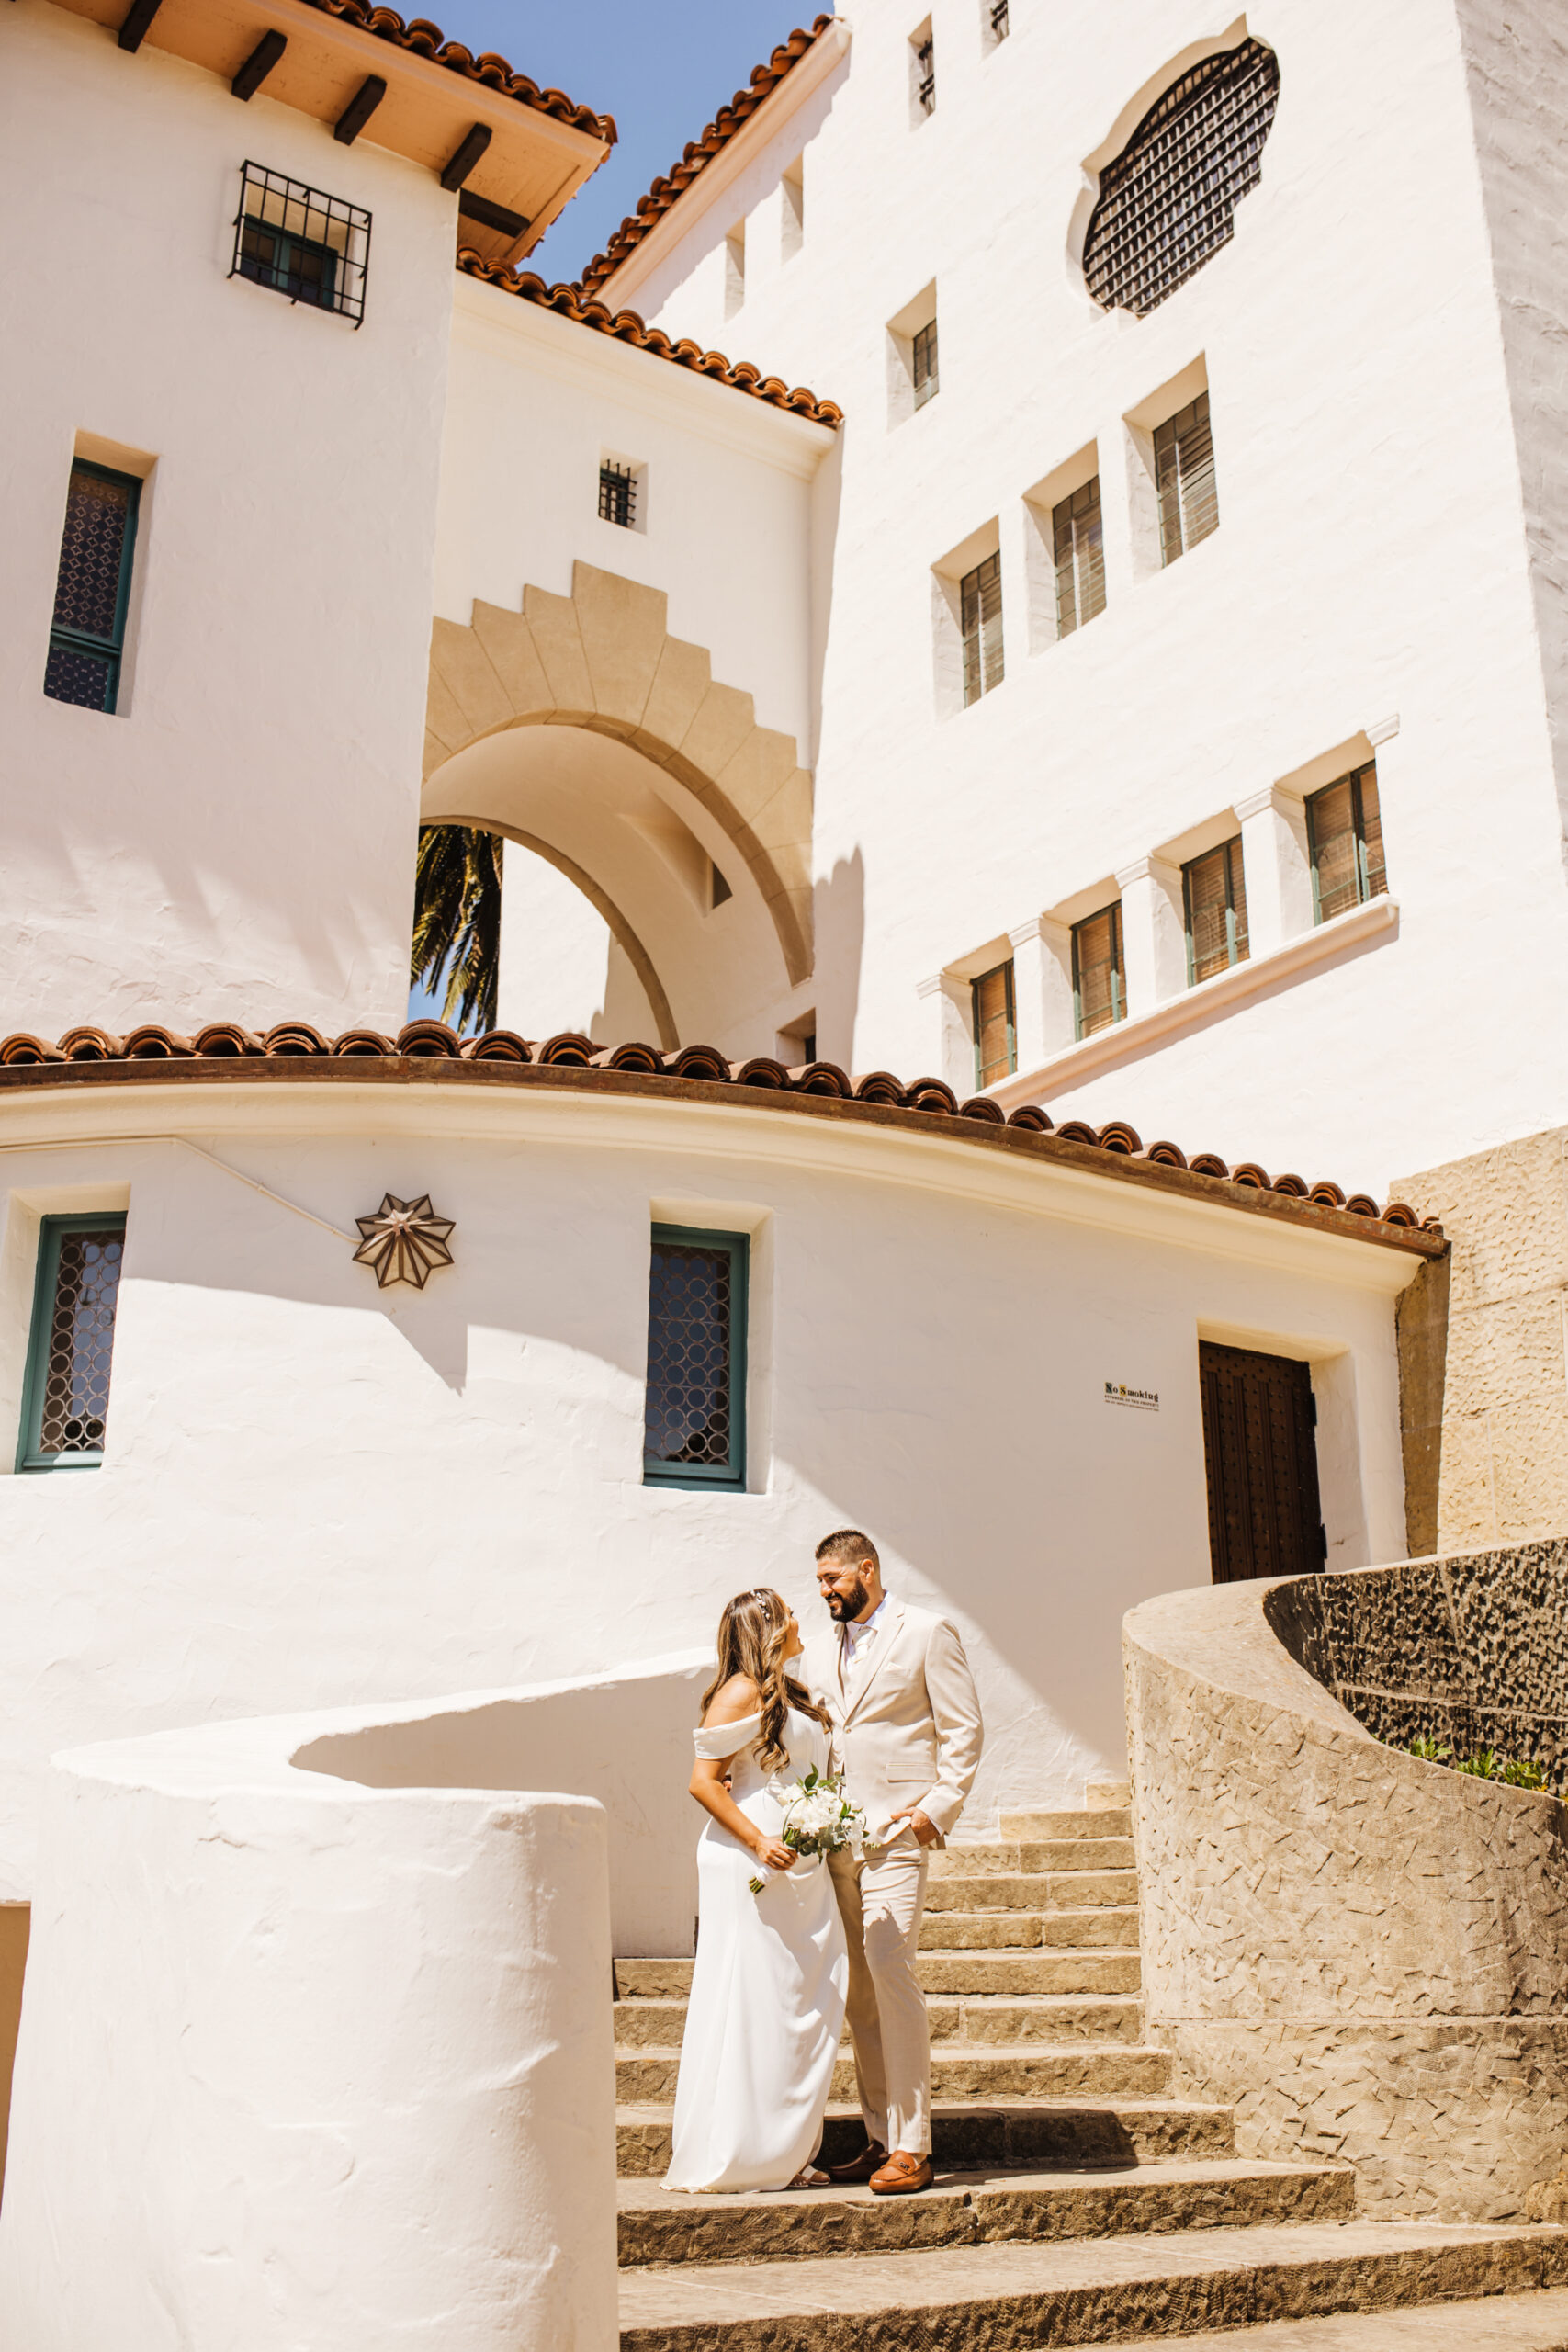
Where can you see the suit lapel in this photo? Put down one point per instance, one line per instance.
(886, 1635)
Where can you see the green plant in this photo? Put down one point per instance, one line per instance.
(457, 923)
(1524, 1772)
(1428, 1750)
(1486, 1764)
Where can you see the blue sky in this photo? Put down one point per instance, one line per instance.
(662, 71)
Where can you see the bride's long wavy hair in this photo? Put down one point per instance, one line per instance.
(752, 1635)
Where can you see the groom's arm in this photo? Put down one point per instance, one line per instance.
(955, 1710)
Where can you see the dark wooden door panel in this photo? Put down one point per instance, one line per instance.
(1261, 1453)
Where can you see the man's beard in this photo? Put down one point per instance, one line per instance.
(844, 1605)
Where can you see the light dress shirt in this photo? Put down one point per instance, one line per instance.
(858, 1639)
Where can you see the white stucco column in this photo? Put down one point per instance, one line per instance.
(1277, 867)
(949, 1031)
(1043, 989)
(1154, 932)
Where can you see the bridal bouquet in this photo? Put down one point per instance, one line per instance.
(818, 1819)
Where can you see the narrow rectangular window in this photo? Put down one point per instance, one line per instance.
(1184, 480)
(792, 221)
(694, 1428)
(313, 247)
(996, 1034)
(923, 360)
(999, 14)
(1344, 829)
(980, 618)
(617, 493)
(1080, 558)
(92, 593)
(734, 269)
(1099, 987)
(1215, 891)
(65, 1397)
(924, 48)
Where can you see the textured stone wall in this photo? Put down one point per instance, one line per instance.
(1484, 1389)
(1368, 1954)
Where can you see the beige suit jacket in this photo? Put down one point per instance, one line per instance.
(910, 1732)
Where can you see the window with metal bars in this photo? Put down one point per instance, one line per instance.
(998, 11)
(1214, 891)
(313, 247)
(1184, 480)
(65, 1397)
(980, 618)
(923, 363)
(922, 52)
(1099, 987)
(695, 1424)
(617, 495)
(1166, 204)
(92, 589)
(995, 1029)
(1345, 833)
(1078, 541)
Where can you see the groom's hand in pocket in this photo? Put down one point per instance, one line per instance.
(926, 1831)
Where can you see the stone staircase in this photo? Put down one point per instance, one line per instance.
(1077, 2200)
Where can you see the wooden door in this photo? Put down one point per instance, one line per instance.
(1261, 1456)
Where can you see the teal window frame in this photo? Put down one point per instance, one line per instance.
(1117, 973)
(981, 1080)
(51, 1232)
(1365, 891)
(107, 649)
(728, 1478)
(1237, 949)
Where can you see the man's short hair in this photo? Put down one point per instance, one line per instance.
(848, 1543)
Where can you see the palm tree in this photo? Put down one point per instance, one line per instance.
(457, 921)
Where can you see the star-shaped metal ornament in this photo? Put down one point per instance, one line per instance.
(403, 1241)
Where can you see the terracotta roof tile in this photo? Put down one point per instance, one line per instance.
(426, 39)
(644, 1068)
(675, 183)
(626, 327)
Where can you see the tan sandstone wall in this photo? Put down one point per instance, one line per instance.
(1484, 1390)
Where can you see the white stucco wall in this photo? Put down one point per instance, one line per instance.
(1370, 564)
(308, 2062)
(317, 1493)
(237, 841)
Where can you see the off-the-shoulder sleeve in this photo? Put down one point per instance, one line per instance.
(727, 1739)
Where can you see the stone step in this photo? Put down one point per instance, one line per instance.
(1047, 1891)
(1036, 1829)
(1011, 1860)
(1044, 2071)
(1037, 1970)
(993, 2135)
(1097, 1927)
(1102, 1794)
(1531, 2323)
(1012, 2298)
(984, 2020)
(661, 2225)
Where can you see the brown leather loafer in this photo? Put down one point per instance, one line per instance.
(872, 2158)
(902, 2175)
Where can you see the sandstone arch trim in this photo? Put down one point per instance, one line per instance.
(621, 930)
(603, 658)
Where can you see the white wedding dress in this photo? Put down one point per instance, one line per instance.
(768, 1989)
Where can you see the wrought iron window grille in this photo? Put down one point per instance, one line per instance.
(1077, 546)
(617, 495)
(694, 1417)
(1185, 485)
(1099, 987)
(1167, 201)
(92, 590)
(66, 1395)
(309, 246)
(1213, 890)
(995, 1026)
(1345, 837)
(980, 620)
(998, 19)
(925, 75)
(923, 363)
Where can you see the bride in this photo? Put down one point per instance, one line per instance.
(772, 1969)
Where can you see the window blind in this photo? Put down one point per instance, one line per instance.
(1184, 480)
(1080, 558)
(980, 612)
(1345, 831)
(996, 1034)
(1216, 911)
(1099, 992)
(924, 356)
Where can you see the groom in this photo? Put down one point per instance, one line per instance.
(906, 1735)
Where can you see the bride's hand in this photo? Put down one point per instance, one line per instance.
(774, 1855)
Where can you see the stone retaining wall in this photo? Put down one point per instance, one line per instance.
(1366, 1953)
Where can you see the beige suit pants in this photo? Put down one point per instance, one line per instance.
(881, 1902)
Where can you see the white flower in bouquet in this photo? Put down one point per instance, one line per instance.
(817, 1819)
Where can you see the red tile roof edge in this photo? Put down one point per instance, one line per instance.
(426, 39)
(626, 327)
(93, 1055)
(675, 183)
